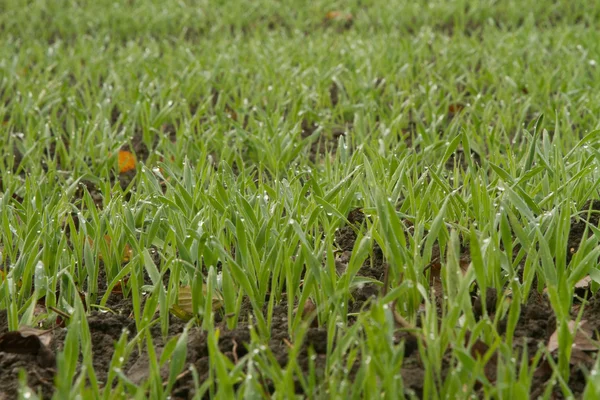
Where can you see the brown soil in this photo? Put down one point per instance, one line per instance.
(40, 375)
(590, 212)
(106, 328)
(460, 159)
(234, 344)
(94, 191)
(374, 267)
(326, 142)
(534, 328)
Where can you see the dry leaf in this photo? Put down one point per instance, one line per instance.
(581, 342)
(118, 288)
(583, 288)
(435, 267)
(180, 313)
(331, 15)
(231, 112)
(580, 357)
(29, 341)
(126, 161)
(584, 283)
(183, 309)
(127, 251)
(478, 350)
(341, 261)
(338, 16)
(308, 311)
(455, 108)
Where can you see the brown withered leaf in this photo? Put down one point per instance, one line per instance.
(230, 112)
(582, 342)
(29, 341)
(455, 108)
(435, 268)
(346, 19)
(24, 341)
(183, 309)
(478, 350)
(582, 346)
(342, 260)
(583, 289)
(332, 15)
(127, 251)
(584, 283)
(118, 288)
(580, 357)
(308, 311)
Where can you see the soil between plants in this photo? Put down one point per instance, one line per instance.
(534, 328)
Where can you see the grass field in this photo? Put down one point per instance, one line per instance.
(361, 199)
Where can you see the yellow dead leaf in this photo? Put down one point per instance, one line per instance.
(184, 310)
(126, 161)
(338, 15)
(180, 313)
